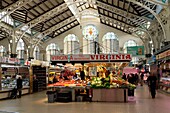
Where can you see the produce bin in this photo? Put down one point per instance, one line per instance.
(51, 96)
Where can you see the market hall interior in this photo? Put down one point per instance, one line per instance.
(84, 44)
(37, 103)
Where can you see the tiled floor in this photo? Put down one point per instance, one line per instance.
(37, 103)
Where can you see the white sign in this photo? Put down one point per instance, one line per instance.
(88, 57)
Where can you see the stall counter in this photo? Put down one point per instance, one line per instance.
(110, 95)
(5, 93)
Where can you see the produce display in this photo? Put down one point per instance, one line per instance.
(115, 82)
(69, 83)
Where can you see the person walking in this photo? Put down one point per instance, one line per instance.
(152, 84)
(124, 77)
(19, 86)
(141, 79)
(132, 81)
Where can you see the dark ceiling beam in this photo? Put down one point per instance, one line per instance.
(146, 13)
(29, 12)
(45, 12)
(45, 5)
(18, 18)
(113, 21)
(116, 28)
(57, 15)
(1, 7)
(42, 8)
(51, 3)
(124, 5)
(34, 9)
(66, 30)
(112, 2)
(117, 3)
(117, 16)
(26, 16)
(6, 3)
(134, 8)
(66, 25)
(58, 23)
(117, 7)
(37, 4)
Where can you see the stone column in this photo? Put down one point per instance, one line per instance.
(14, 45)
(31, 52)
(43, 55)
(0, 77)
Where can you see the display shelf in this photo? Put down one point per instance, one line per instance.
(165, 84)
(40, 73)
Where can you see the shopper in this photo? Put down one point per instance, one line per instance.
(19, 86)
(152, 84)
(55, 79)
(136, 79)
(132, 81)
(124, 76)
(141, 79)
(82, 74)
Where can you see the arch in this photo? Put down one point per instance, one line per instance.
(110, 43)
(71, 44)
(110, 35)
(71, 37)
(144, 5)
(130, 43)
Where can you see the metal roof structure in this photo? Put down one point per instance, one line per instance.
(47, 19)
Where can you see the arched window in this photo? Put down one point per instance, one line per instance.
(2, 51)
(71, 44)
(90, 37)
(36, 53)
(52, 49)
(130, 43)
(20, 49)
(110, 43)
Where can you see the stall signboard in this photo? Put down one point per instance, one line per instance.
(163, 55)
(13, 60)
(92, 57)
(9, 60)
(3, 59)
(135, 50)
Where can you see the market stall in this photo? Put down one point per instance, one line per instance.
(9, 69)
(94, 67)
(163, 70)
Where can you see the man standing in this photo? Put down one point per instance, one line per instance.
(19, 86)
(152, 83)
(82, 74)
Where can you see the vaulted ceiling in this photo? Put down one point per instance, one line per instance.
(50, 18)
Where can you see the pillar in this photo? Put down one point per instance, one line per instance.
(13, 45)
(31, 52)
(0, 77)
(31, 79)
